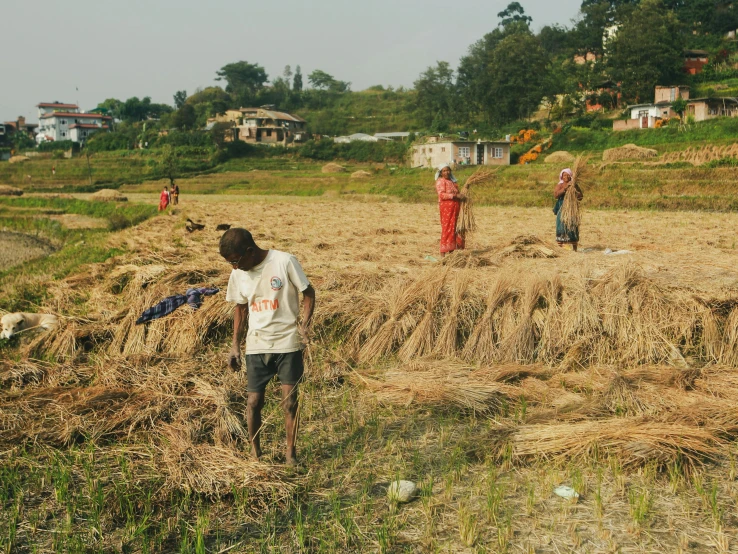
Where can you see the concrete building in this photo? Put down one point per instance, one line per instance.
(695, 61)
(399, 136)
(436, 151)
(74, 126)
(45, 108)
(645, 116)
(19, 126)
(269, 126)
(361, 137)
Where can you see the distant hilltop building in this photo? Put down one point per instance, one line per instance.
(435, 151)
(265, 125)
(59, 121)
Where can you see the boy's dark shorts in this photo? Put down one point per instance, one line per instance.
(260, 368)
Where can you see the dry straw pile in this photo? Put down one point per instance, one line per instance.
(571, 212)
(108, 195)
(562, 156)
(333, 168)
(361, 174)
(699, 155)
(7, 190)
(465, 223)
(628, 152)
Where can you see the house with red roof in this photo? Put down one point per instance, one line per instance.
(59, 121)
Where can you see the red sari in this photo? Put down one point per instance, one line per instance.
(163, 200)
(449, 208)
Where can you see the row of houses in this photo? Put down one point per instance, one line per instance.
(647, 116)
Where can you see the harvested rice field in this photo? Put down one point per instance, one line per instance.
(489, 378)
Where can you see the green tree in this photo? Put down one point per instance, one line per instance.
(169, 163)
(180, 97)
(112, 106)
(434, 101)
(646, 51)
(243, 80)
(514, 13)
(324, 81)
(297, 80)
(185, 117)
(505, 75)
(21, 141)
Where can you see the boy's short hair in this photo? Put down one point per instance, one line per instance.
(235, 241)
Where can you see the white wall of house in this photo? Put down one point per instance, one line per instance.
(437, 153)
(57, 126)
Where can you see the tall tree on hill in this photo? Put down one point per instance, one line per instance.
(646, 51)
(505, 74)
(243, 80)
(435, 95)
(706, 16)
(321, 80)
(297, 80)
(180, 97)
(514, 13)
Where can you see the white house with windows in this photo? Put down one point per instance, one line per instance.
(64, 122)
(436, 151)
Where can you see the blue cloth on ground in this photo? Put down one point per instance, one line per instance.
(193, 298)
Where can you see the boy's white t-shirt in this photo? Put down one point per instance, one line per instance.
(271, 290)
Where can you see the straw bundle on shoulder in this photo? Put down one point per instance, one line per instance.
(465, 223)
(571, 212)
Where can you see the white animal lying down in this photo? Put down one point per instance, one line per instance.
(17, 322)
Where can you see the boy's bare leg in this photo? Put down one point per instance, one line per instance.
(254, 404)
(289, 405)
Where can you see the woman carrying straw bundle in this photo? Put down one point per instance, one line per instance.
(567, 232)
(449, 204)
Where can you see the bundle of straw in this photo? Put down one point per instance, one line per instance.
(571, 213)
(465, 223)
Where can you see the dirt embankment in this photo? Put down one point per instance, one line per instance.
(16, 248)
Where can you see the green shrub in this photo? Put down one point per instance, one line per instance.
(57, 145)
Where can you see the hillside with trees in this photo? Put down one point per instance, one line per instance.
(507, 78)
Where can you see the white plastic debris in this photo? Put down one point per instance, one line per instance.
(611, 252)
(402, 491)
(566, 492)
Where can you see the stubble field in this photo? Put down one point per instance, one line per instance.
(488, 378)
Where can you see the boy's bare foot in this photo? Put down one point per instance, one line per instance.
(292, 462)
(256, 453)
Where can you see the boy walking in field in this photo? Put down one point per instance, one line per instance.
(265, 285)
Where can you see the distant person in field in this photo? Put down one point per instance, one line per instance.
(175, 194)
(265, 285)
(564, 235)
(164, 199)
(449, 204)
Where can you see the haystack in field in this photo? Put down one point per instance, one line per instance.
(628, 152)
(333, 168)
(528, 246)
(361, 174)
(18, 159)
(562, 156)
(108, 195)
(7, 190)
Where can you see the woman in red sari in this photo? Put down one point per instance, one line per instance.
(164, 199)
(449, 203)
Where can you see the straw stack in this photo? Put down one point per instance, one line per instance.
(571, 213)
(465, 223)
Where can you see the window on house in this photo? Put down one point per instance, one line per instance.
(64, 134)
(643, 113)
(497, 152)
(63, 121)
(430, 150)
(269, 132)
(422, 151)
(464, 151)
(443, 148)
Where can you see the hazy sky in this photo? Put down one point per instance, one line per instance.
(156, 47)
